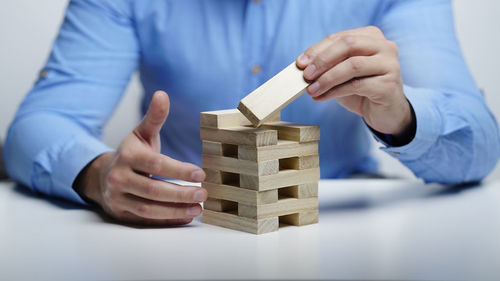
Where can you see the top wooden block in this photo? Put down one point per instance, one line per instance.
(273, 95)
(228, 118)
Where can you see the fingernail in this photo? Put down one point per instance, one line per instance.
(313, 88)
(199, 196)
(193, 211)
(309, 71)
(304, 59)
(197, 176)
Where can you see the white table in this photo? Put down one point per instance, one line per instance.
(369, 229)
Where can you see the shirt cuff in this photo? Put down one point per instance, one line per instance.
(58, 167)
(429, 124)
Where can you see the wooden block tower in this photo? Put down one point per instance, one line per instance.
(259, 178)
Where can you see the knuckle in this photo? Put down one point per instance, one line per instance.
(320, 61)
(155, 164)
(332, 36)
(349, 40)
(356, 64)
(114, 179)
(373, 29)
(151, 190)
(144, 210)
(125, 154)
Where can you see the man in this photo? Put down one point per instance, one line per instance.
(404, 79)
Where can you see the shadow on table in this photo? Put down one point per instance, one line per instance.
(68, 205)
(397, 195)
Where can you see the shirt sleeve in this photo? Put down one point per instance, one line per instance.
(57, 129)
(457, 138)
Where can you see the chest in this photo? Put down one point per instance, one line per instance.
(226, 48)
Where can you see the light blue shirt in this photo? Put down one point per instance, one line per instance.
(201, 52)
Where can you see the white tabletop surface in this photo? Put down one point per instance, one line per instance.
(368, 229)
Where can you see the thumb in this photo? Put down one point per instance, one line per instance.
(155, 117)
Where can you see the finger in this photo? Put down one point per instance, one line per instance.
(146, 161)
(312, 52)
(347, 70)
(341, 49)
(149, 209)
(157, 113)
(134, 219)
(163, 191)
(371, 87)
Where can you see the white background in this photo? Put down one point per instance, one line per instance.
(27, 29)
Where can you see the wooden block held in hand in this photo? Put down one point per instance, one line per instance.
(228, 118)
(233, 221)
(273, 95)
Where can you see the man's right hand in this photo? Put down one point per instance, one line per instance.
(121, 182)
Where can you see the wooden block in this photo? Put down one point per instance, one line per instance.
(233, 221)
(213, 176)
(219, 205)
(217, 148)
(282, 207)
(283, 178)
(240, 136)
(212, 148)
(300, 163)
(283, 149)
(240, 195)
(234, 165)
(273, 95)
(294, 131)
(302, 218)
(299, 191)
(228, 118)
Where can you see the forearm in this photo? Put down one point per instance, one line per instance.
(45, 151)
(456, 140)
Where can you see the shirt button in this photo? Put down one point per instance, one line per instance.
(44, 73)
(395, 153)
(256, 69)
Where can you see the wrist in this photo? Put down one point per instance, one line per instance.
(88, 182)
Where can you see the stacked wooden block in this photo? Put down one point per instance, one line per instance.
(259, 178)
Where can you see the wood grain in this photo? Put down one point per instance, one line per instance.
(233, 221)
(240, 136)
(283, 149)
(240, 195)
(282, 207)
(239, 166)
(273, 95)
(281, 179)
(228, 118)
